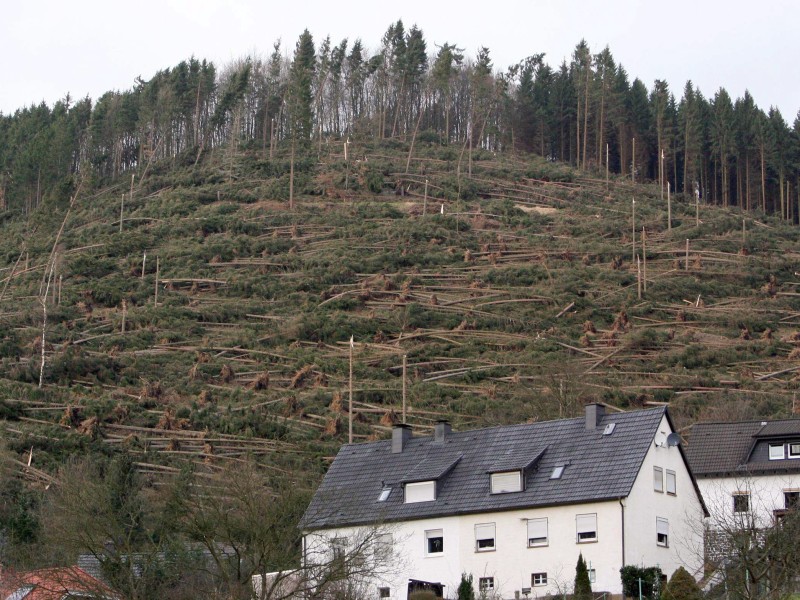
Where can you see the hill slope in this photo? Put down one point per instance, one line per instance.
(510, 286)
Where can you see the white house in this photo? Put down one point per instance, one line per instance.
(514, 506)
(748, 472)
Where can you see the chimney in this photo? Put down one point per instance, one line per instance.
(441, 431)
(401, 434)
(594, 414)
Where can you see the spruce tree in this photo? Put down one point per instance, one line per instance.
(583, 586)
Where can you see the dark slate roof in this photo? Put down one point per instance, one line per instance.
(719, 449)
(598, 467)
(434, 465)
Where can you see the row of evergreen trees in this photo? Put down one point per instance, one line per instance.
(586, 112)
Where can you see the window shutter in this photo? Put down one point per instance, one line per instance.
(587, 523)
(424, 491)
(537, 531)
(662, 526)
(484, 531)
(506, 482)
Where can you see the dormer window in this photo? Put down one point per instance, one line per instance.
(776, 452)
(420, 491)
(794, 450)
(507, 482)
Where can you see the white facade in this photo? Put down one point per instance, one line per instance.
(649, 527)
(756, 499)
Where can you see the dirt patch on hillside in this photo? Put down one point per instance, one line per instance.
(539, 210)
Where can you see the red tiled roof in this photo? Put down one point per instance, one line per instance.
(52, 584)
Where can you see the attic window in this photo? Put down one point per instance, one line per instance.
(776, 452)
(609, 429)
(504, 483)
(384, 494)
(421, 491)
(558, 471)
(794, 450)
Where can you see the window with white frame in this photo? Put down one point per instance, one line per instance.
(434, 542)
(658, 479)
(741, 502)
(421, 491)
(672, 484)
(776, 452)
(794, 450)
(484, 537)
(509, 481)
(662, 532)
(586, 526)
(485, 584)
(537, 532)
(592, 575)
(538, 579)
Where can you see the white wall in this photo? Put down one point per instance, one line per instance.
(683, 512)
(766, 495)
(512, 562)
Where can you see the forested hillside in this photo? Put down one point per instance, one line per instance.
(183, 267)
(587, 112)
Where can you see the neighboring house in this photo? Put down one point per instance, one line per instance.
(748, 472)
(514, 506)
(53, 584)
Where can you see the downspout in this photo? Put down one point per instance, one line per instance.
(622, 518)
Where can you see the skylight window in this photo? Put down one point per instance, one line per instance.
(384, 494)
(558, 471)
(609, 429)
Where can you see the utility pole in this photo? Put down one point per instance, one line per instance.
(405, 356)
(350, 408)
(633, 229)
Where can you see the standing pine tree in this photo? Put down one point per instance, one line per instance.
(301, 79)
(583, 587)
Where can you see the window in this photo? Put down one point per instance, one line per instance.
(586, 528)
(662, 532)
(503, 483)
(609, 429)
(658, 479)
(776, 452)
(485, 584)
(791, 499)
(422, 491)
(671, 483)
(339, 547)
(794, 450)
(538, 578)
(558, 471)
(592, 575)
(537, 532)
(484, 537)
(384, 592)
(384, 494)
(383, 546)
(434, 542)
(741, 502)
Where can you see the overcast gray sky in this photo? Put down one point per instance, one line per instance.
(87, 47)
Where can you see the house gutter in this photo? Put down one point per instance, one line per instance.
(622, 518)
